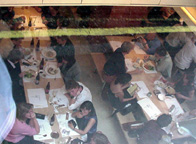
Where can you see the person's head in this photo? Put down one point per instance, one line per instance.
(72, 87)
(123, 78)
(191, 36)
(61, 40)
(164, 120)
(99, 138)
(126, 47)
(53, 10)
(151, 36)
(160, 52)
(24, 111)
(87, 109)
(15, 55)
(17, 41)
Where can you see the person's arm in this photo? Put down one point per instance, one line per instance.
(33, 123)
(145, 44)
(77, 114)
(137, 71)
(190, 96)
(87, 128)
(121, 97)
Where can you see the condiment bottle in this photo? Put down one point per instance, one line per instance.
(32, 43)
(52, 120)
(47, 88)
(41, 64)
(37, 45)
(30, 23)
(37, 79)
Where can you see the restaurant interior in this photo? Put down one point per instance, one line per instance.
(96, 33)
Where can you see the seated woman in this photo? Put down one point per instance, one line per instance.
(118, 95)
(22, 132)
(86, 119)
(185, 88)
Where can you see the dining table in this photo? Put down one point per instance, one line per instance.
(46, 104)
(148, 81)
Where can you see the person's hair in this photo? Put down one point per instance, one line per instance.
(123, 78)
(88, 105)
(15, 39)
(161, 51)
(22, 110)
(63, 37)
(164, 120)
(15, 55)
(100, 138)
(126, 47)
(71, 84)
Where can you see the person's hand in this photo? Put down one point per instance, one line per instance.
(59, 64)
(146, 58)
(64, 61)
(21, 74)
(134, 96)
(32, 115)
(143, 40)
(138, 71)
(71, 126)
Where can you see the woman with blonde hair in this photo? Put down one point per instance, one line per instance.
(22, 132)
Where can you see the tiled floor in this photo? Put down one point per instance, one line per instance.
(109, 126)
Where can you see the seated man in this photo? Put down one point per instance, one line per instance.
(151, 132)
(163, 62)
(13, 66)
(186, 55)
(66, 50)
(149, 43)
(174, 42)
(77, 94)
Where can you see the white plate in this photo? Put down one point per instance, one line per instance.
(51, 70)
(31, 73)
(48, 53)
(160, 84)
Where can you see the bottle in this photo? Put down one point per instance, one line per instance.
(41, 64)
(37, 45)
(37, 79)
(47, 88)
(52, 120)
(30, 23)
(32, 43)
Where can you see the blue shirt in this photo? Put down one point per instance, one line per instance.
(153, 45)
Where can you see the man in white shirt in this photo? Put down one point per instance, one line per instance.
(77, 94)
(186, 55)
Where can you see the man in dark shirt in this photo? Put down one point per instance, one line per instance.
(65, 52)
(13, 66)
(116, 63)
(152, 132)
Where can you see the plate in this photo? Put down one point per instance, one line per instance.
(160, 84)
(161, 97)
(51, 70)
(148, 67)
(170, 90)
(29, 74)
(49, 53)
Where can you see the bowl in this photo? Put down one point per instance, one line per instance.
(161, 97)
